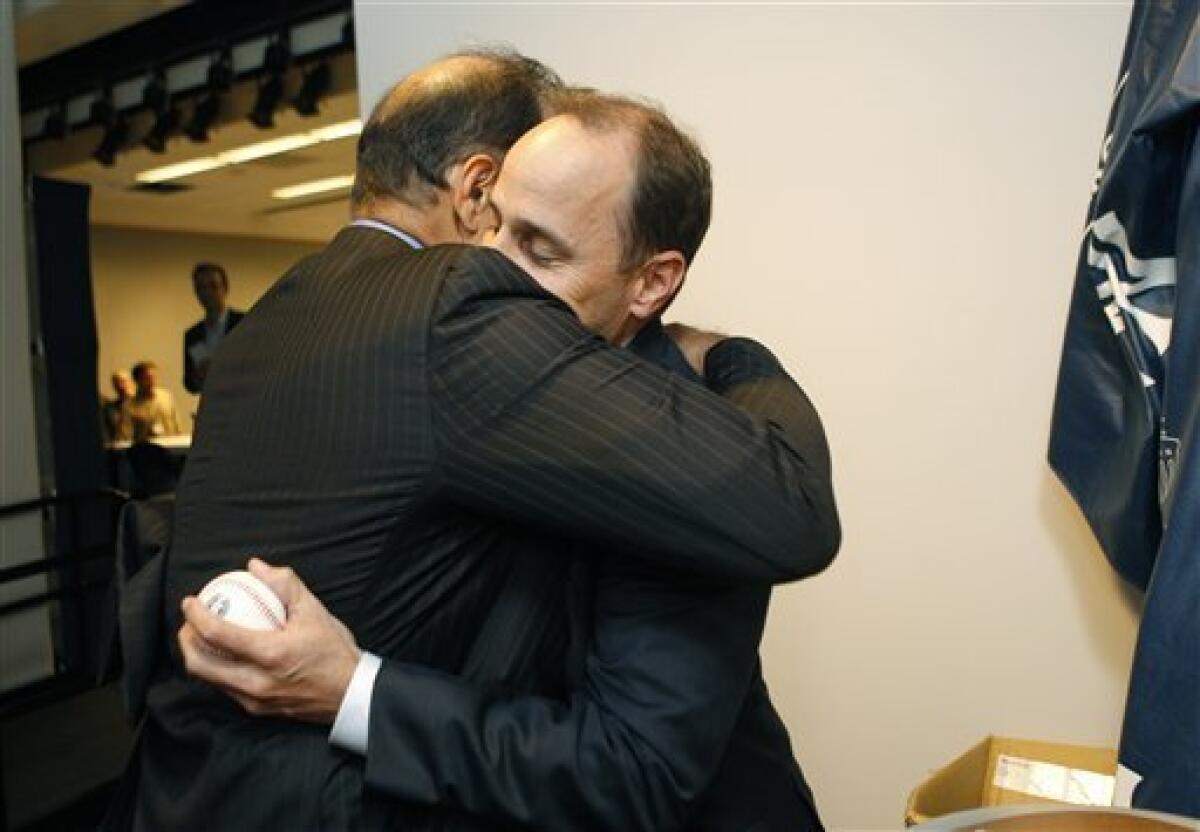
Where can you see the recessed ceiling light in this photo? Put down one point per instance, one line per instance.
(317, 186)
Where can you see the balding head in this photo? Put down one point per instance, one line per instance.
(670, 194)
(605, 205)
(469, 103)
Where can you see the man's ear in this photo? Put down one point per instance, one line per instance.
(659, 280)
(472, 192)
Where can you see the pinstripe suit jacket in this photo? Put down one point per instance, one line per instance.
(411, 430)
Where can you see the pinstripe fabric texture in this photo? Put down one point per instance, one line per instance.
(544, 422)
(411, 431)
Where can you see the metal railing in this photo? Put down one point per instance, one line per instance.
(74, 573)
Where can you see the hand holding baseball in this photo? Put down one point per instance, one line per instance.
(300, 671)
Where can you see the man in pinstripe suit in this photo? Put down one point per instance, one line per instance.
(538, 423)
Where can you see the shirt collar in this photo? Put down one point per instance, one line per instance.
(219, 326)
(654, 345)
(404, 236)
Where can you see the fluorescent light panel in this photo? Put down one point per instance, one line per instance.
(341, 130)
(250, 152)
(271, 147)
(317, 186)
(180, 169)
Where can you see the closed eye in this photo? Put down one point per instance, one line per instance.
(534, 249)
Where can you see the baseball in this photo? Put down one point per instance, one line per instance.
(244, 600)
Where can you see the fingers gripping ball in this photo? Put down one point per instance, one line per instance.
(244, 600)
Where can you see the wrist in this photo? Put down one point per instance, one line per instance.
(350, 726)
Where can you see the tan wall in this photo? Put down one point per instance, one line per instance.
(144, 300)
(899, 198)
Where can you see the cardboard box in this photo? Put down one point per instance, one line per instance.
(1002, 771)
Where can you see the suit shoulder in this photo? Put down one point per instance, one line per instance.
(487, 264)
(473, 273)
(194, 331)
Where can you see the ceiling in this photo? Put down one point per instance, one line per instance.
(232, 200)
(47, 27)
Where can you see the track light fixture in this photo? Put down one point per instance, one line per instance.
(166, 122)
(155, 95)
(115, 135)
(157, 98)
(278, 55)
(102, 110)
(205, 113)
(220, 72)
(208, 106)
(116, 129)
(55, 125)
(270, 93)
(270, 88)
(315, 84)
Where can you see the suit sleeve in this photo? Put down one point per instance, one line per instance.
(667, 674)
(538, 421)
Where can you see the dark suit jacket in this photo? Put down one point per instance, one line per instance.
(194, 335)
(409, 431)
(668, 724)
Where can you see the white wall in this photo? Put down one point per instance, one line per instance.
(142, 284)
(25, 651)
(899, 196)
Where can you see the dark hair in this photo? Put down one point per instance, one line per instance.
(140, 368)
(671, 204)
(210, 268)
(424, 125)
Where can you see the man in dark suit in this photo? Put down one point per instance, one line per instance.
(469, 421)
(668, 723)
(211, 285)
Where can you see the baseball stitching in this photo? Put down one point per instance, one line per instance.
(261, 604)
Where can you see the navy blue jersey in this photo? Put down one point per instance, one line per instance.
(1123, 439)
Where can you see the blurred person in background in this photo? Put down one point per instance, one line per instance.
(152, 409)
(114, 412)
(211, 285)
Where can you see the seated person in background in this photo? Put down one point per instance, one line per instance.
(211, 285)
(114, 412)
(152, 409)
